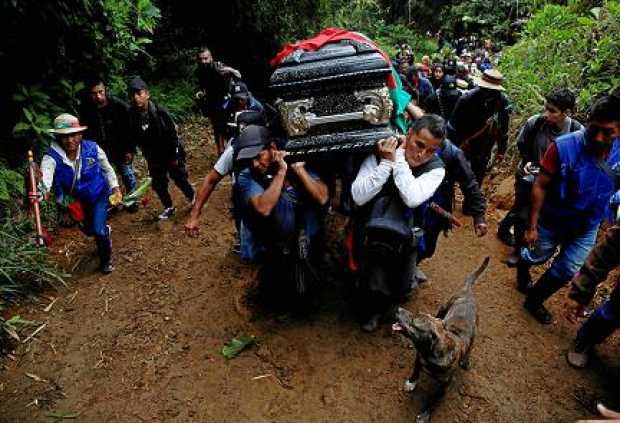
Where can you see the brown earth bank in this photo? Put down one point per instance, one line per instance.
(144, 343)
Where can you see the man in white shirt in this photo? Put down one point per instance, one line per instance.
(389, 189)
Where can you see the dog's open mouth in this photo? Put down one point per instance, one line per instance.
(397, 327)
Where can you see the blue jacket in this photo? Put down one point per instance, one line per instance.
(91, 183)
(580, 199)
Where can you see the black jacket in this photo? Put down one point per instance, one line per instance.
(471, 112)
(108, 127)
(459, 171)
(155, 133)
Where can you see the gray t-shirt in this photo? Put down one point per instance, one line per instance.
(532, 147)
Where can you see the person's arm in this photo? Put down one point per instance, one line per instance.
(264, 203)
(602, 259)
(550, 165)
(475, 203)
(372, 176)
(415, 111)
(107, 169)
(414, 191)
(170, 134)
(227, 70)
(204, 192)
(48, 167)
(315, 187)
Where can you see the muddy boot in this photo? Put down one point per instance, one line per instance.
(503, 231)
(546, 286)
(524, 279)
(577, 356)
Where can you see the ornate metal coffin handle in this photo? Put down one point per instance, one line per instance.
(297, 118)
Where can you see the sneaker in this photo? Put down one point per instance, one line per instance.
(539, 312)
(167, 213)
(107, 267)
(420, 276)
(371, 324)
(577, 356)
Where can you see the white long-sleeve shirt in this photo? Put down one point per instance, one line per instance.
(413, 191)
(48, 167)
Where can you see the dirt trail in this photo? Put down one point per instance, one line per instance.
(143, 344)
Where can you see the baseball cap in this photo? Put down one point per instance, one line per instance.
(239, 90)
(136, 84)
(251, 141)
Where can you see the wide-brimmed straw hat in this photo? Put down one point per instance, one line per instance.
(66, 124)
(491, 79)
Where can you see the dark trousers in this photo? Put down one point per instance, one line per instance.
(602, 323)
(178, 173)
(96, 224)
(518, 216)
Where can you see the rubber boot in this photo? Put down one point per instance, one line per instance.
(503, 230)
(524, 279)
(546, 286)
(104, 251)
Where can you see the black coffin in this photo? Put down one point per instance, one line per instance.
(333, 99)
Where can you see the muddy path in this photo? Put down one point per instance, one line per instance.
(143, 344)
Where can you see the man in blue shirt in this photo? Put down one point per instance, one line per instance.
(570, 198)
(280, 203)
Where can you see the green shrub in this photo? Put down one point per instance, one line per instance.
(561, 47)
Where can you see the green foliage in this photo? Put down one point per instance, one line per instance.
(11, 185)
(368, 17)
(561, 47)
(176, 96)
(24, 268)
(91, 36)
(495, 19)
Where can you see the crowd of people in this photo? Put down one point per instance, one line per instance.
(458, 115)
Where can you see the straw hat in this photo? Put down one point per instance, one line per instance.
(491, 79)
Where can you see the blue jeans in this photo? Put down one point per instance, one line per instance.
(96, 224)
(128, 176)
(573, 251)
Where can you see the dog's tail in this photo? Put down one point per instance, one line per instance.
(474, 276)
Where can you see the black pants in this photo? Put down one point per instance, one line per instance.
(160, 171)
(518, 216)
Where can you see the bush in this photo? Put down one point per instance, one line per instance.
(562, 47)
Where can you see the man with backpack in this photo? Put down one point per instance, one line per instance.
(533, 140)
(154, 131)
(389, 189)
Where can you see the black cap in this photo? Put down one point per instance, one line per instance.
(239, 90)
(251, 141)
(136, 84)
(449, 83)
(449, 66)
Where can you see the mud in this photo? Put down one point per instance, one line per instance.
(143, 344)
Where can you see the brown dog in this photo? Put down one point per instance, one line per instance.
(442, 342)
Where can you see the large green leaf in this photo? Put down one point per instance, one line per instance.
(236, 345)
